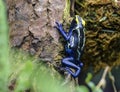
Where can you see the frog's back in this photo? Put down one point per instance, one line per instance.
(78, 42)
(77, 39)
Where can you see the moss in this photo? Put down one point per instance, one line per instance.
(102, 32)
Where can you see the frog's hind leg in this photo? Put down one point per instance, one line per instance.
(68, 62)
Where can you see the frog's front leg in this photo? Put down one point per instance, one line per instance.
(61, 30)
(68, 62)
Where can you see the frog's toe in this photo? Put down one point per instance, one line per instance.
(57, 23)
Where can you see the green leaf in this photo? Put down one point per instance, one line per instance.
(97, 90)
(82, 89)
(91, 85)
(89, 77)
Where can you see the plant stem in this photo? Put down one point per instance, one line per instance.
(102, 82)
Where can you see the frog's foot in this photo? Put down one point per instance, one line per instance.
(59, 26)
(74, 74)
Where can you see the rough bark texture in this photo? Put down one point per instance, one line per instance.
(32, 26)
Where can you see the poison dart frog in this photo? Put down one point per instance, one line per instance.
(75, 42)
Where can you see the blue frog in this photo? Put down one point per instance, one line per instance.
(75, 42)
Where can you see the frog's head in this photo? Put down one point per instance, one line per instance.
(79, 20)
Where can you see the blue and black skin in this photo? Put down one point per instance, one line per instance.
(75, 40)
